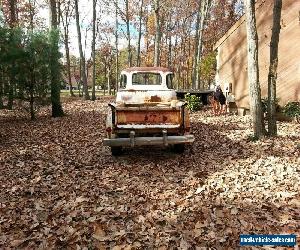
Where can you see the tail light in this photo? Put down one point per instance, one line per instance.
(187, 129)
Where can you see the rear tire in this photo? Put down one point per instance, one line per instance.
(116, 151)
(178, 148)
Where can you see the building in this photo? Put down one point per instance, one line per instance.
(232, 54)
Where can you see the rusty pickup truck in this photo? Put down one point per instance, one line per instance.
(147, 112)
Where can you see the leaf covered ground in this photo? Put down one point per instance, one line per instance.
(61, 188)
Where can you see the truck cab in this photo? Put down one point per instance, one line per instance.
(147, 112)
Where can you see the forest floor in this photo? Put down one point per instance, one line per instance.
(61, 188)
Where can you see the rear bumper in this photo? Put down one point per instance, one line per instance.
(139, 141)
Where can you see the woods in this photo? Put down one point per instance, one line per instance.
(143, 33)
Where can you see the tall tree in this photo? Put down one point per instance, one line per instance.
(272, 77)
(12, 24)
(157, 40)
(127, 20)
(195, 58)
(1, 14)
(31, 13)
(138, 60)
(201, 17)
(12, 13)
(94, 50)
(83, 64)
(65, 16)
(54, 62)
(253, 70)
(117, 45)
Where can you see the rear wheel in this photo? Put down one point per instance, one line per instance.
(178, 148)
(115, 151)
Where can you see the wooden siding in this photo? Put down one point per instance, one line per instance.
(232, 54)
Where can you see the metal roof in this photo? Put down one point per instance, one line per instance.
(147, 69)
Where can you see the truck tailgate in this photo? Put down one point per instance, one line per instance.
(148, 117)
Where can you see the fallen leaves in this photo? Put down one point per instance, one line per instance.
(61, 188)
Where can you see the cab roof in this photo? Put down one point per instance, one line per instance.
(147, 69)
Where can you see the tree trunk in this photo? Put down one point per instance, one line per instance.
(129, 59)
(57, 110)
(157, 33)
(66, 42)
(66, 23)
(146, 35)
(253, 70)
(12, 13)
(169, 42)
(108, 79)
(80, 93)
(195, 58)
(30, 90)
(83, 65)
(12, 4)
(1, 14)
(105, 70)
(1, 88)
(117, 48)
(201, 17)
(138, 60)
(11, 90)
(31, 15)
(94, 51)
(272, 77)
(188, 61)
(31, 103)
(170, 52)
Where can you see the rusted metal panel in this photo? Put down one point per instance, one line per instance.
(148, 117)
(146, 107)
(187, 124)
(148, 126)
(153, 130)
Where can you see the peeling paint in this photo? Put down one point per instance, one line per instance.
(143, 126)
(148, 117)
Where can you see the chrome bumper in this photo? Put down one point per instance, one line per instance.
(139, 141)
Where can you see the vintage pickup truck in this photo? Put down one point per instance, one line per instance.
(147, 112)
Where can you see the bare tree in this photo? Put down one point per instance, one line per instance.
(117, 45)
(12, 23)
(54, 58)
(138, 60)
(157, 41)
(94, 50)
(12, 13)
(253, 70)
(201, 17)
(83, 67)
(65, 16)
(128, 33)
(272, 77)
(31, 10)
